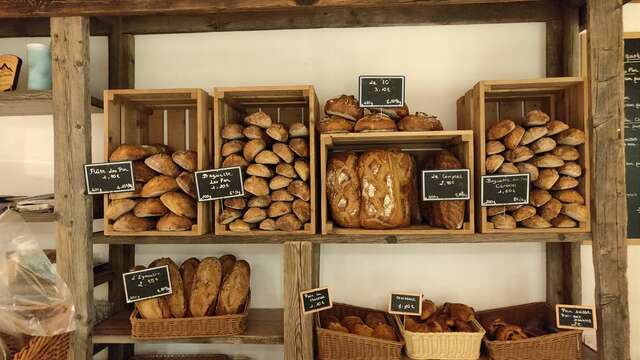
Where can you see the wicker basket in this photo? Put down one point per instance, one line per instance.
(39, 347)
(335, 345)
(190, 327)
(561, 345)
(443, 346)
(180, 357)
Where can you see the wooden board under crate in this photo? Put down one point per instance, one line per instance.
(178, 118)
(490, 101)
(285, 104)
(419, 144)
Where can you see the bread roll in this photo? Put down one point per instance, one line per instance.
(232, 147)
(187, 183)
(493, 163)
(512, 139)
(302, 169)
(565, 182)
(234, 160)
(259, 119)
(141, 172)
(420, 122)
(523, 213)
(256, 186)
(373, 319)
(284, 152)
(556, 127)
(206, 285)
(335, 124)
(547, 161)
(267, 225)
(546, 179)
(533, 134)
(180, 204)
(259, 201)
(542, 145)
(536, 222)
(287, 170)
(500, 129)
(163, 164)
(127, 194)
(573, 137)
(267, 157)
(188, 271)
(395, 113)
(254, 215)
(302, 210)
(173, 222)
(253, 148)
(278, 132)
(536, 118)
(503, 221)
(539, 197)
(238, 203)
(232, 132)
(126, 152)
(150, 208)
(228, 215)
(495, 210)
(569, 196)
(298, 130)
(526, 168)
(508, 168)
(158, 186)
(550, 210)
(289, 223)
(299, 189)
(566, 152)
(494, 147)
(259, 170)
(299, 146)
(278, 208)
(117, 208)
(563, 221)
(344, 106)
(186, 159)
(428, 309)
(254, 132)
(571, 168)
(519, 154)
(362, 330)
(176, 299)
(279, 182)
(131, 223)
(239, 226)
(375, 122)
(351, 321)
(281, 195)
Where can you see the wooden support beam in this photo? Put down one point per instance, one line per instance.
(72, 149)
(609, 208)
(301, 272)
(121, 58)
(39, 27)
(554, 48)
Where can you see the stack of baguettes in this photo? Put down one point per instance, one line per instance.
(164, 198)
(200, 288)
(275, 159)
(548, 151)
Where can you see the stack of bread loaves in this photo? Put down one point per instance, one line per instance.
(275, 159)
(345, 115)
(374, 325)
(449, 318)
(165, 193)
(200, 288)
(547, 150)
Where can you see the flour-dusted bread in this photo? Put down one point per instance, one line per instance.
(127, 152)
(141, 172)
(344, 106)
(536, 118)
(302, 169)
(252, 148)
(180, 204)
(235, 290)
(150, 208)
(566, 153)
(173, 222)
(176, 299)
(500, 129)
(576, 211)
(259, 119)
(343, 189)
(419, 122)
(206, 286)
(287, 170)
(571, 137)
(536, 222)
(555, 127)
(302, 210)
(232, 147)
(494, 147)
(163, 163)
(187, 183)
(117, 208)
(512, 139)
(284, 152)
(278, 132)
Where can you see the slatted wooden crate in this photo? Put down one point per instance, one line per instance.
(490, 101)
(179, 118)
(419, 144)
(285, 104)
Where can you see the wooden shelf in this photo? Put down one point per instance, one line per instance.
(266, 326)
(100, 238)
(102, 274)
(32, 102)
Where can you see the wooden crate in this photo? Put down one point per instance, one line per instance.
(419, 144)
(491, 101)
(178, 118)
(285, 104)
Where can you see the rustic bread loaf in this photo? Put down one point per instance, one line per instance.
(206, 285)
(173, 222)
(176, 299)
(186, 159)
(235, 289)
(446, 214)
(163, 163)
(343, 189)
(132, 223)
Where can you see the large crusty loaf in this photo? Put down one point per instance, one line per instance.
(206, 286)
(343, 189)
(234, 291)
(180, 204)
(176, 299)
(384, 174)
(130, 222)
(188, 272)
(227, 261)
(158, 186)
(154, 308)
(447, 214)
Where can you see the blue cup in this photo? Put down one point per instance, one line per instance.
(39, 62)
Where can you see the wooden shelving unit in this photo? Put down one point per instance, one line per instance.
(34, 102)
(72, 22)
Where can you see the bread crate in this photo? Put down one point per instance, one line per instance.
(177, 118)
(491, 101)
(420, 145)
(286, 105)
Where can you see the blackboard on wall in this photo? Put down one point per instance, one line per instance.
(632, 132)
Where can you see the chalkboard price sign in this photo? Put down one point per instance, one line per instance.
(109, 177)
(504, 190)
(632, 133)
(315, 300)
(575, 317)
(146, 284)
(445, 185)
(219, 183)
(405, 303)
(381, 91)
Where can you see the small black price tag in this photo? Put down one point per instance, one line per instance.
(445, 185)
(575, 317)
(146, 284)
(504, 190)
(381, 91)
(219, 183)
(405, 303)
(109, 177)
(315, 300)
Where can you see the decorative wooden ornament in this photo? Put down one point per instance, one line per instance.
(9, 71)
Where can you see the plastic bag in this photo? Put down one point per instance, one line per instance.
(34, 300)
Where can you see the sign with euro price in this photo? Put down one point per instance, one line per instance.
(405, 303)
(315, 300)
(575, 317)
(110, 177)
(219, 183)
(147, 284)
(438, 185)
(504, 190)
(381, 91)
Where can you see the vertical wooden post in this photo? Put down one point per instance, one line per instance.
(72, 149)
(564, 279)
(121, 257)
(301, 272)
(609, 208)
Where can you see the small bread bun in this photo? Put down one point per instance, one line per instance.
(235, 160)
(117, 208)
(375, 122)
(512, 139)
(344, 106)
(577, 212)
(279, 208)
(302, 210)
(570, 196)
(546, 179)
(239, 225)
(259, 170)
(279, 182)
(267, 157)
(420, 122)
(253, 148)
(254, 215)
(298, 130)
(526, 168)
(539, 197)
(267, 225)
(232, 147)
(150, 208)
(127, 152)
(238, 203)
(299, 146)
(571, 168)
(281, 195)
(543, 144)
(163, 164)
(180, 204)
(259, 119)
(565, 183)
(550, 210)
(132, 223)
(259, 201)
(572, 137)
(256, 186)
(228, 215)
(278, 132)
(302, 169)
(503, 221)
(288, 222)
(173, 222)
(299, 189)
(494, 147)
(547, 161)
(508, 168)
(158, 186)
(536, 222)
(284, 152)
(524, 213)
(500, 129)
(563, 221)
(532, 134)
(519, 154)
(232, 132)
(287, 170)
(186, 159)
(536, 118)
(566, 152)
(493, 163)
(335, 124)
(556, 127)
(254, 132)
